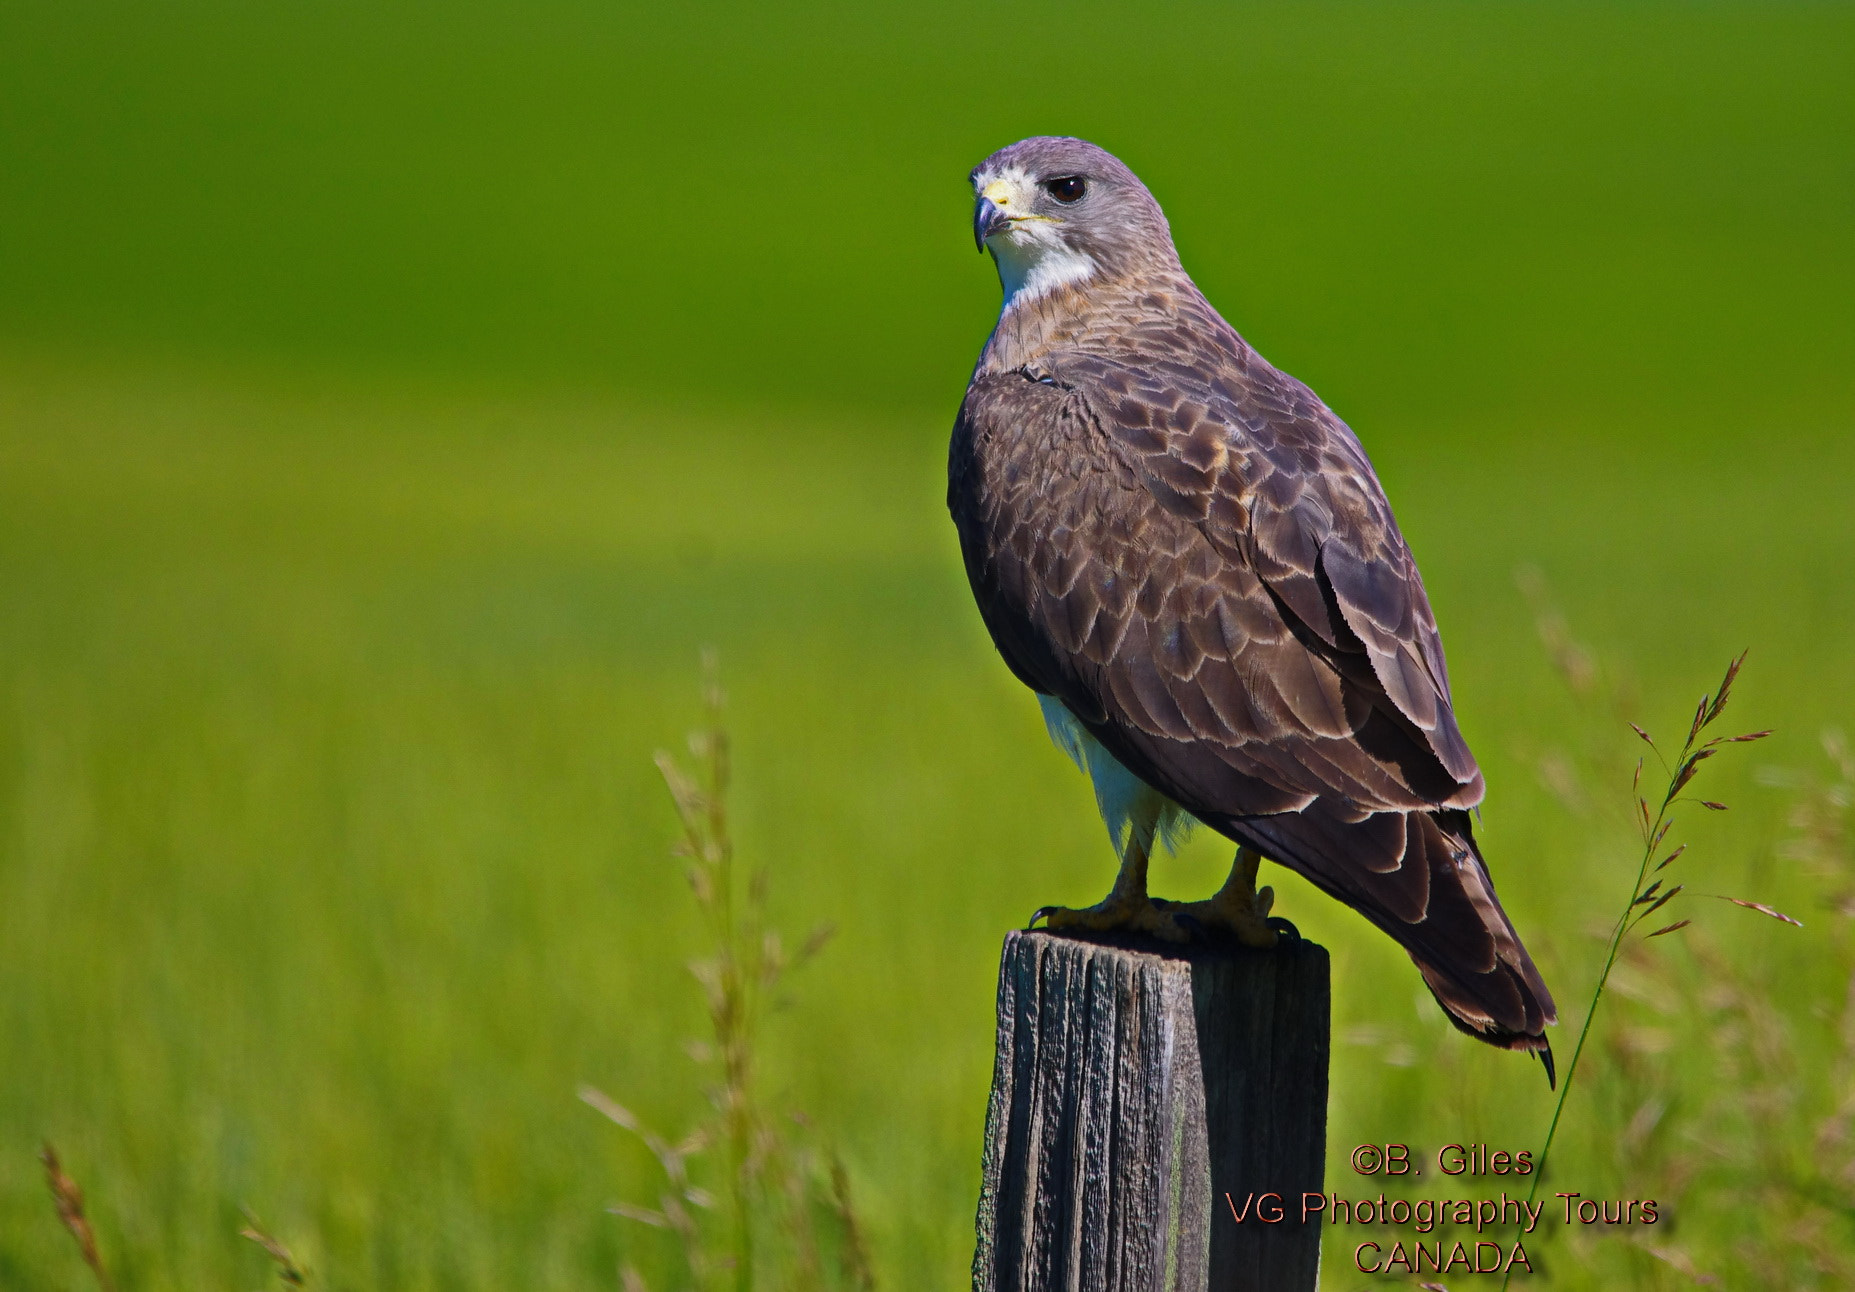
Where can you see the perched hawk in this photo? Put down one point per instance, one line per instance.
(1187, 557)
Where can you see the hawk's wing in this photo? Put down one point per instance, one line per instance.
(1194, 555)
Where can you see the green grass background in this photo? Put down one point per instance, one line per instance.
(395, 398)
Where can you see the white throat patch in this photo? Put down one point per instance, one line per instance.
(1033, 261)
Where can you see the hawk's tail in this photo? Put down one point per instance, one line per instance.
(1420, 878)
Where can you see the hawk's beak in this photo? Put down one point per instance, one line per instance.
(988, 219)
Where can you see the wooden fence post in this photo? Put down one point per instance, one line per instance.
(1138, 1084)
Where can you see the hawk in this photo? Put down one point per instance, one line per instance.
(1188, 558)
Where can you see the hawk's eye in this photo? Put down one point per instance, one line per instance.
(1069, 188)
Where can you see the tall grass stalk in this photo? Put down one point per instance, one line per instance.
(785, 1202)
(1647, 894)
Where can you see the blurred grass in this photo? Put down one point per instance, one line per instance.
(393, 399)
(1418, 208)
(333, 859)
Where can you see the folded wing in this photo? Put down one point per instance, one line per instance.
(1197, 559)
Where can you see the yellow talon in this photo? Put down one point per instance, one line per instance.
(1239, 907)
(1115, 914)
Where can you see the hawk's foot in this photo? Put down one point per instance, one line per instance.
(1117, 914)
(1239, 907)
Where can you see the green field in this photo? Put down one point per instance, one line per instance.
(393, 404)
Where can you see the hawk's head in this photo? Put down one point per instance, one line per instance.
(1057, 211)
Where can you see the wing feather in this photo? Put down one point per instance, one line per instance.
(1193, 554)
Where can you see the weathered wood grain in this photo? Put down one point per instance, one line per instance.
(1136, 1085)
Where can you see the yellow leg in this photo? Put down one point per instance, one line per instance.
(1126, 907)
(1238, 907)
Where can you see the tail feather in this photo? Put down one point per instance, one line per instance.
(1420, 877)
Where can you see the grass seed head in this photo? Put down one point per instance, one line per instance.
(69, 1199)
